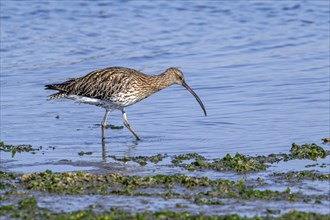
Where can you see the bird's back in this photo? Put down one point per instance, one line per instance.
(120, 85)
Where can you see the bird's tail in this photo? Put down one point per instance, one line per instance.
(55, 86)
(58, 95)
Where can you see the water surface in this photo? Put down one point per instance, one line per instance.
(262, 73)
(260, 67)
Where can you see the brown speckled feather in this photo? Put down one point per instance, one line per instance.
(112, 84)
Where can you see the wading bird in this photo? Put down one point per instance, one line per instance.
(117, 88)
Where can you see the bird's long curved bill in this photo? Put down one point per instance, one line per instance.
(196, 96)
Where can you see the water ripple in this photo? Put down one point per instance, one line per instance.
(262, 73)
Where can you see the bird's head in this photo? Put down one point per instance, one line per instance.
(176, 77)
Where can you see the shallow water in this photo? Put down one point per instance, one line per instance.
(262, 73)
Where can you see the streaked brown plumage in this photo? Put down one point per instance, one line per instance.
(118, 87)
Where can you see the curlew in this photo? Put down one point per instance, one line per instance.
(117, 88)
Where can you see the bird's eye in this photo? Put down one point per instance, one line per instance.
(180, 78)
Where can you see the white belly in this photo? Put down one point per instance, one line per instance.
(98, 102)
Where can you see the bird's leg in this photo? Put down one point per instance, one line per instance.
(104, 150)
(104, 123)
(127, 125)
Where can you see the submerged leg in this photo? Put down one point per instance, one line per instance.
(127, 125)
(104, 150)
(104, 123)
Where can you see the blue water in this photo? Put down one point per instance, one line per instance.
(260, 67)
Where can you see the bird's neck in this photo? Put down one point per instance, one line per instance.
(161, 81)
(153, 84)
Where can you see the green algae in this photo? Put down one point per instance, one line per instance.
(29, 203)
(304, 151)
(308, 151)
(82, 153)
(87, 183)
(203, 201)
(77, 183)
(247, 193)
(114, 127)
(6, 181)
(304, 215)
(302, 175)
(243, 164)
(272, 158)
(142, 160)
(326, 140)
(7, 176)
(18, 149)
(201, 190)
(238, 163)
(177, 159)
